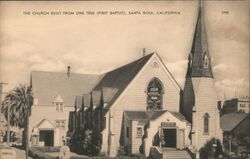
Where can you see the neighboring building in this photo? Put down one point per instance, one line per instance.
(237, 105)
(235, 124)
(54, 97)
(236, 128)
(135, 107)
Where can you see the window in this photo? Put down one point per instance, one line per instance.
(139, 132)
(59, 106)
(127, 132)
(242, 105)
(154, 94)
(60, 123)
(205, 59)
(35, 101)
(206, 123)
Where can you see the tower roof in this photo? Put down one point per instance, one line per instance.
(199, 58)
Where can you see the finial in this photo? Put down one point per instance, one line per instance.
(143, 52)
(68, 72)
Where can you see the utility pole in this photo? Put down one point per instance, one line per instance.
(8, 125)
(27, 126)
(8, 120)
(1, 92)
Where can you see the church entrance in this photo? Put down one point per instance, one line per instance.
(169, 138)
(47, 136)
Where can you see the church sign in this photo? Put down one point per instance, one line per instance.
(168, 124)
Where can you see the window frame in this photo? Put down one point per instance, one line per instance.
(206, 118)
(137, 132)
(59, 106)
(60, 123)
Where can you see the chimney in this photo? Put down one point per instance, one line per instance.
(68, 72)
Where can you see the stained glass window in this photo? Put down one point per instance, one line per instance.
(154, 94)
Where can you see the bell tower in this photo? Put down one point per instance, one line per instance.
(199, 96)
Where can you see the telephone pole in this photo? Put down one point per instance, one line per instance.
(1, 93)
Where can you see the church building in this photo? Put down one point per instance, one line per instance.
(138, 107)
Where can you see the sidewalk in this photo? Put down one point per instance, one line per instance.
(20, 153)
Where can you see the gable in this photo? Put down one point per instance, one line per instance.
(118, 79)
(45, 124)
(58, 99)
(136, 91)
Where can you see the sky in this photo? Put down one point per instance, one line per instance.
(95, 44)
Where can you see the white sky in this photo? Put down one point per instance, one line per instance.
(98, 43)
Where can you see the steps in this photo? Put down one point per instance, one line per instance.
(175, 154)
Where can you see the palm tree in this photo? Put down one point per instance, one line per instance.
(18, 104)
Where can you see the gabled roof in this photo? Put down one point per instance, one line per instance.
(48, 85)
(230, 120)
(199, 50)
(146, 116)
(143, 115)
(45, 124)
(118, 79)
(178, 115)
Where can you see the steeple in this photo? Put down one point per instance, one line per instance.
(199, 64)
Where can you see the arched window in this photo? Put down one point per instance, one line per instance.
(206, 123)
(154, 94)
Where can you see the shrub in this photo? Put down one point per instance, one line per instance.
(40, 153)
(209, 151)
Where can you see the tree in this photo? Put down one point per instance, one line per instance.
(18, 102)
(212, 149)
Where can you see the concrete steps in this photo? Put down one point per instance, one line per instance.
(175, 154)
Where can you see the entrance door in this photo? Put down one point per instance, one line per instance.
(169, 138)
(47, 136)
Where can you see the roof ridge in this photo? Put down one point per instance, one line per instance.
(60, 72)
(135, 61)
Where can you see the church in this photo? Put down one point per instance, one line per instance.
(138, 107)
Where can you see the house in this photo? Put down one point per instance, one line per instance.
(239, 123)
(138, 107)
(236, 128)
(237, 105)
(54, 97)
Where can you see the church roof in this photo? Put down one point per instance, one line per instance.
(117, 80)
(229, 121)
(146, 116)
(143, 115)
(199, 51)
(178, 115)
(48, 85)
